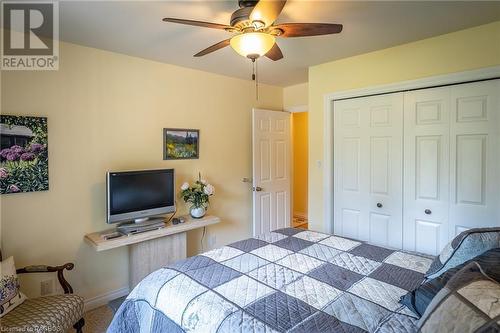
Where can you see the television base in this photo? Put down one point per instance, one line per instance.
(135, 228)
(151, 250)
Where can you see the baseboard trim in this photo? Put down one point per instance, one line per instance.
(103, 299)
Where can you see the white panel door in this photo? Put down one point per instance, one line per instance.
(271, 170)
(426, 170)
(474, 156)
(368, 169)
(350, 183)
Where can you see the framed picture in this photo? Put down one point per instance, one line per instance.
(24, 162)
(181, 144)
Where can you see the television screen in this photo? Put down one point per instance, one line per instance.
(139, 194)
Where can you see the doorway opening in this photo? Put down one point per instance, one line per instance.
(300, 149)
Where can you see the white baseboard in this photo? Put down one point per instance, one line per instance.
(100, 300)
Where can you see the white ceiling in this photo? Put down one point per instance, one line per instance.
(135, 28)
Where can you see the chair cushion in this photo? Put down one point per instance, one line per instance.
(468, 303)
(465, 246)
(50, 314)
(10, 296)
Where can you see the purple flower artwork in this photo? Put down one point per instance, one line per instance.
(28, 157)
(24, 163)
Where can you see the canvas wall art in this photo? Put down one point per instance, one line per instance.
(24, 163)
(179, 144)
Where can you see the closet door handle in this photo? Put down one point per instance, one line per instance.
(428, 211)
(379, 205)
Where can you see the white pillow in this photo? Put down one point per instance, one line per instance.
(10, 296)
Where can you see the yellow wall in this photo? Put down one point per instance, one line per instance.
(459, 51)
(296, 95)
(106, 111)
(300, 162)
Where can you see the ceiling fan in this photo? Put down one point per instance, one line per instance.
(254, 30)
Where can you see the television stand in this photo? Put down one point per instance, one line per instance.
(131, 228)
(151, 250)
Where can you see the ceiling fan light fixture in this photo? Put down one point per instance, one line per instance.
(252, 44)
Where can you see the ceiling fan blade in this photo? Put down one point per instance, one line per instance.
(274, 53)
(197, 23)
(213, 48)
(267, 11)
(308, 29)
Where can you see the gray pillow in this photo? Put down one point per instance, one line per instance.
(470, 302)
(419, 299)
(465, 246)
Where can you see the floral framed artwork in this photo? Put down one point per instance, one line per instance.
(181, 144)
(24, 163)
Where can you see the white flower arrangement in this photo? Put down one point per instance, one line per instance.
(197, 194)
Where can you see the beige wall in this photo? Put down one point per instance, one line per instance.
(300, 161)
(296, 95)
(293, 97)
(106, 111)
(459, 51)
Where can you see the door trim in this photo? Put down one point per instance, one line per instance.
(328, 99)
(297, 108)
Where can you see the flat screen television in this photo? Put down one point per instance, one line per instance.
(137, 195)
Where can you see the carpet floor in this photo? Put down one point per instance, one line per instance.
(97, 320)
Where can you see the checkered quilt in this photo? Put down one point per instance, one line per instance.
(289, 280)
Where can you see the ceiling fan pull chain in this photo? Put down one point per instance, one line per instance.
(255, 77)
(253, 69)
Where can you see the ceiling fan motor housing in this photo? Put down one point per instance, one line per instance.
(240, 18)
(247, 3)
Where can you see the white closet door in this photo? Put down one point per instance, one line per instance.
(368, 169)
(426, 170)
(475, 153)
(349, 157)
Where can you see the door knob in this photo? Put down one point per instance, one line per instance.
(379, 205)
(257, 189)
(428, 211)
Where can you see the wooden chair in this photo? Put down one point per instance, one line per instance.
(55, 313)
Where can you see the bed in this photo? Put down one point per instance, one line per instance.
(289, 280)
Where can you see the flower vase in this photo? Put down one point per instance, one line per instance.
(198, 212)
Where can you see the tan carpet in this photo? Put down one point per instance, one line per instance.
(97, 320)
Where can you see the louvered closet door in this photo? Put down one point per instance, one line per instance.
(426, 170)
(475, 154)
(368, 169)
